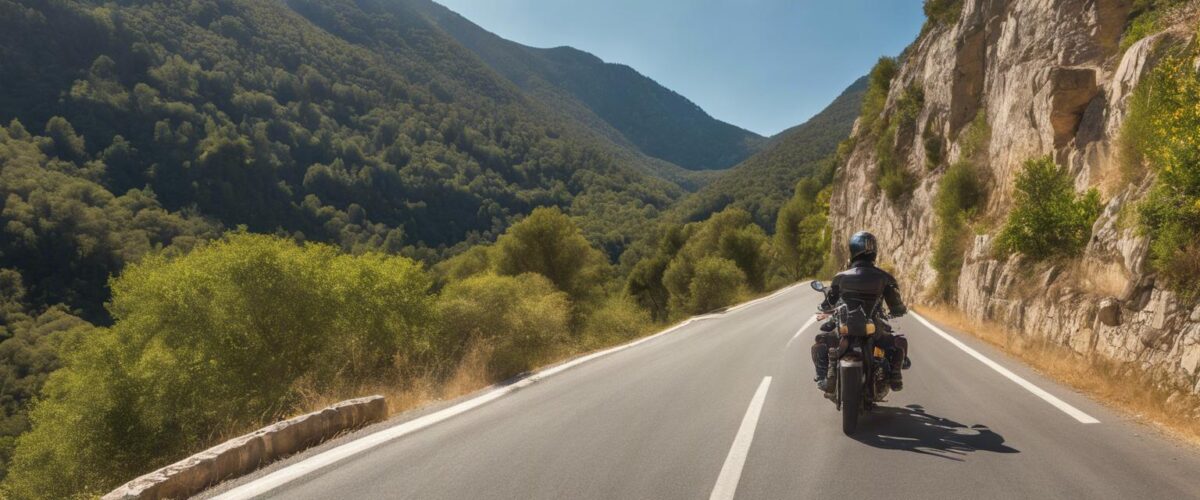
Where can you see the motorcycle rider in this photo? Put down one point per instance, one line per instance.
(862, 285)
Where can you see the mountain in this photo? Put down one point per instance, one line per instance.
(328, 120)
(624, 105)
(764, 182)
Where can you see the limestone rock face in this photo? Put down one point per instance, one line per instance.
(1051, 79)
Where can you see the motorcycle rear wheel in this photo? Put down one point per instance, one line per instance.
(850, 392)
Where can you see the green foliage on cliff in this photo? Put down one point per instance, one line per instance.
(1048, 218)
(1145, 19)
(942, 12)
(893, 176)
(879, 81)
(961, 194)
(1163, 132)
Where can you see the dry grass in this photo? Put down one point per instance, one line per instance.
(1122, 386)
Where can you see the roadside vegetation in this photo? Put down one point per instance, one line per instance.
(1048, 217)
(1162, 134)
(239, 331)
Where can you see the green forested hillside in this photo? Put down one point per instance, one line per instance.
(367, 130)
(614, 98)
(764, 182)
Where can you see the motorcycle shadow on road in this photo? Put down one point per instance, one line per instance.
(911, 428)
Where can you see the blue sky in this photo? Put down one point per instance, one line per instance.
(764, 65)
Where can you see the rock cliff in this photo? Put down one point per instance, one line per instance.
(1050, 78)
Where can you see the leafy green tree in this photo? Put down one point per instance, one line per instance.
(716, 283)
(550, 244)
(1048, 218)
(802, 235)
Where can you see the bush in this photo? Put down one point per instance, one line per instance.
(943, 12)
(548, 243)
(1048, 218)
(1163, 131)
(518, 319)
(213, 342)
(717, 283)
(878, 83)
(1144, 20)
(894, 179)
(960, 194)
(616, 320)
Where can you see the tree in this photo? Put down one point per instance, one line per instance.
(1048, 218)
(802, 236)
(548, 243)
(716, 283)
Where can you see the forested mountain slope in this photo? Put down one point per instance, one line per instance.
(765, 181)
(368, 129)
(627, 106)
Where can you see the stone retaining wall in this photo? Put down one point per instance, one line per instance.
(244, 454)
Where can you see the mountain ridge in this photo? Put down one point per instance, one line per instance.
(580, 82)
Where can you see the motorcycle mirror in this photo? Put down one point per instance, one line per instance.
(818, 286)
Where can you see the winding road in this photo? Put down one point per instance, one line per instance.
(724, 407)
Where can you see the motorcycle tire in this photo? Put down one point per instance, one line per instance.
(850, 389)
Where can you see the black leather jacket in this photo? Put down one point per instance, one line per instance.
(863, 285)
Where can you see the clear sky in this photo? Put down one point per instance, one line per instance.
(764, 65)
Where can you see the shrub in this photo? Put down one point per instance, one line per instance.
(1144, 20)
(1048, 218)
(960, 193)
(893, 178)
(943, 12)
(518, 319)
(547, 242)
(1163, 131)
(215, 341)
(878, 83)
(617, 319)
(717, 283)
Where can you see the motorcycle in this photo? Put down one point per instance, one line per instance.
(859, 370)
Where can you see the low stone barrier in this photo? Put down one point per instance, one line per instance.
(244, 454)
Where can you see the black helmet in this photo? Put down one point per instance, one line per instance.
(862, 245)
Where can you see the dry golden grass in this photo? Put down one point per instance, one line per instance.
(1122, 386)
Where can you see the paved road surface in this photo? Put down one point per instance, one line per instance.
(692, 414)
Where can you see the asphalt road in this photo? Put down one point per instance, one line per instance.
(725, 407)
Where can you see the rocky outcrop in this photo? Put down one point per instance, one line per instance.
(1052, 80)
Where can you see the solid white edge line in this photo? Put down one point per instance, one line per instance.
(731, 472)
(807, 324)
(274, 480)
(1074, 412)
